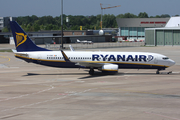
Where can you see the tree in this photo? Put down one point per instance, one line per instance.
(109, 21)
(76, 27)
(36, 27)
(28, 28)
(129, 15)
(143, 15)
(92, 20)
(5, 29)
(165, 16)
(157, 16)
(34, 18)
(120, 16)
(34, 23)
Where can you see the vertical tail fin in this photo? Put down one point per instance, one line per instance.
(22, 41)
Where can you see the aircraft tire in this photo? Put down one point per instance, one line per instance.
(91, 71)
(157, 72)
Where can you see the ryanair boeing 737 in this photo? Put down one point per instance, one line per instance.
(103, 61)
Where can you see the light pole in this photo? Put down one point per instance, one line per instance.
(61, 24)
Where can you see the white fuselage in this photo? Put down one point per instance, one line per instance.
(134, 60)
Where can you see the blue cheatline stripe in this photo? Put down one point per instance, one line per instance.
(125, 63)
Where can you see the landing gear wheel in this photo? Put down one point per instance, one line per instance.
(169, 72)
(157, 72)
(91, 71)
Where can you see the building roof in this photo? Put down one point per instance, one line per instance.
(142, 22)
(44, 32)
(173, 22)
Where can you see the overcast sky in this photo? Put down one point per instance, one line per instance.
(40, 8)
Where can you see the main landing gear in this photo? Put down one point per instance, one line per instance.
(157, 72)
(91, 71)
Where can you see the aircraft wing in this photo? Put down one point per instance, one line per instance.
(106, 67)
(90, 64)
(85, 64)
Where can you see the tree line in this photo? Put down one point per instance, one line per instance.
(34, 23)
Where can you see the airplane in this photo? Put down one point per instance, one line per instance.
(107, 62)
(84, 41)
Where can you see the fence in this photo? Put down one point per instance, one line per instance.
(95, 45)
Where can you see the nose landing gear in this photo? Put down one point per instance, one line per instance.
(157, 72)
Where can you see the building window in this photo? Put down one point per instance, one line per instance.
(140, 31)
(132, 31)
(124, 31)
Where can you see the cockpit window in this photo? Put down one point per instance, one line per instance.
(165, 58)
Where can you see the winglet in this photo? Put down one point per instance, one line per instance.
(65, 56)
(71, 48)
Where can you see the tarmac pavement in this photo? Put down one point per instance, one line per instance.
(29, 91)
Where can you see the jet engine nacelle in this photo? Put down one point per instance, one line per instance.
(110, 68)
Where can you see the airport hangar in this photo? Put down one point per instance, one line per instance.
(155, 31)
(168, 35)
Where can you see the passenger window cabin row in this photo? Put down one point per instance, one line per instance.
(61, 58)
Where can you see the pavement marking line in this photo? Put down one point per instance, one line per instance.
(50, 100)
(51, 87)
(10, 116)
(5, 61)
(38, 92)
(132, 91)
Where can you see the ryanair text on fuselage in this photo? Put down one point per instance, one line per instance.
(136, 58)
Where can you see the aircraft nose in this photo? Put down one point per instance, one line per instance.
(171, 62)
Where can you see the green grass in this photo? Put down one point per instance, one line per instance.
(6, 50)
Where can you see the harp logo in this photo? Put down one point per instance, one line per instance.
(20, 38)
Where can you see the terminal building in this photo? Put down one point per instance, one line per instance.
(134, 28)
(4, 22)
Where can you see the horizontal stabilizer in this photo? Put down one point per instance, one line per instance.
(14, 51)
